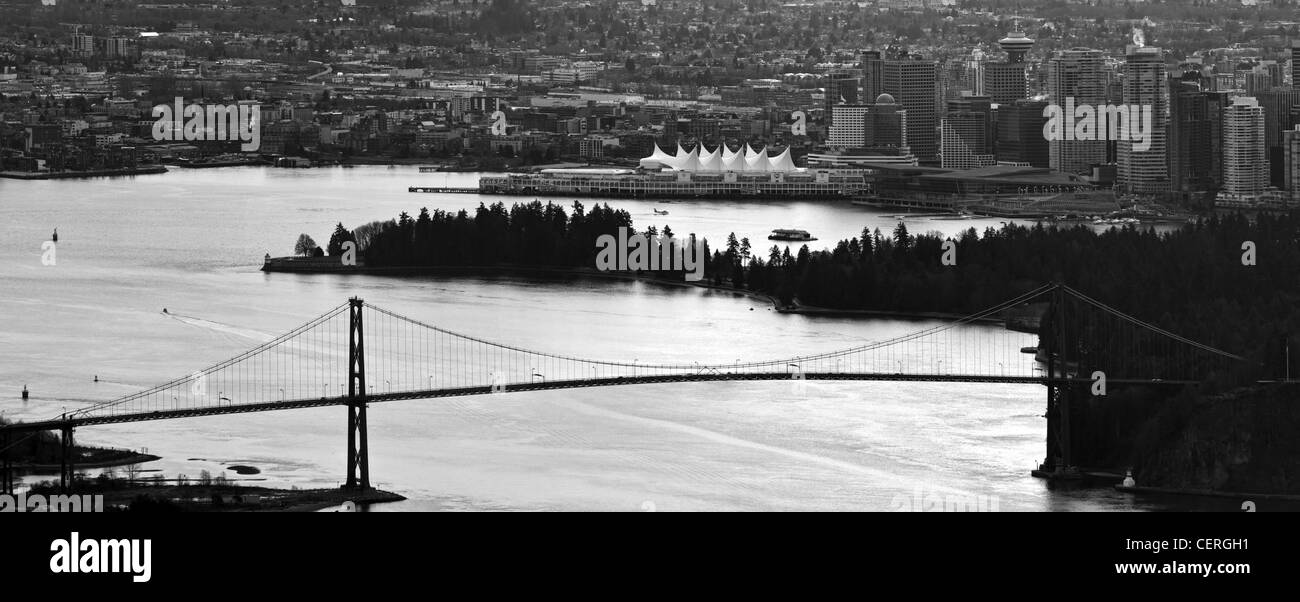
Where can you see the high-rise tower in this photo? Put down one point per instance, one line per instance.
(1145, 171)
(1076, 74)
(913, 82)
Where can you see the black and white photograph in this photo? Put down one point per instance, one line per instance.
(865, 259)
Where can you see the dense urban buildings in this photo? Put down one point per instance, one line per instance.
(970, 90)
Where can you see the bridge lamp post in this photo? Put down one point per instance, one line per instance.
(900, 366)
(388, 386)
(324, 390)
(1002, 369)
(430, 382)
(281, 393)
(939, 367)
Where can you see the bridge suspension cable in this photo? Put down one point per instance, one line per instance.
(407, 358)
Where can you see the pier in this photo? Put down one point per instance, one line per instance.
(445, 189)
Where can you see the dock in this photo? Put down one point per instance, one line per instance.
(444, 189)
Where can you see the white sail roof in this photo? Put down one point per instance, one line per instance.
(783, 162)
(658, 159)
(691, 162)
(721, 158)
(711, 161)
(758, 161)
(732, 161)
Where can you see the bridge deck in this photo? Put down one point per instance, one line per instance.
(76, 421)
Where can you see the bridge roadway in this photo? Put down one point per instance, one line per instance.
(77, 421)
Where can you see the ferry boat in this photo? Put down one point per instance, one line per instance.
(790, 235)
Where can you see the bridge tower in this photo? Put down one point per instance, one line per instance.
(358, 454)
(1054, 335)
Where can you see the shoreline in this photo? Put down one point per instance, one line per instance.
(285, 265)
(133, 458)
(136, 497)
(1281, 497)
(92, 173)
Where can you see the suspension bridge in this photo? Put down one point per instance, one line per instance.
(357, 354)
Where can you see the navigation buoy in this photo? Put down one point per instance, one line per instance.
(56, 235)
(24, 392)
(96, 378)
(1128, 479)
(164, 310)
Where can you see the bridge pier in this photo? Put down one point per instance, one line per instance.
(358, 452)
(67, 461)
(358, 448)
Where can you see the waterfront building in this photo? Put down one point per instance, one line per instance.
(1139, 171)
(913, 82)
(699, 173)
(1020, 138)
(1195, 140)
(1007, 82)
(1076, 73)
(1245, 171)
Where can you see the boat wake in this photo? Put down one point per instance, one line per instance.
(218, 327)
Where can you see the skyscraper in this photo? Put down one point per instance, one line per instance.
(913, 82)
(1076, 73)
(887, 126)
(1295, 63)
(1005, 82)
(1145, 171)
(873, 68)
(964, 141)
(848, 126)
(1277, 104)
(841, 88)
(1020, 133)
(1245, 172)
(1193, 150)
(1291, 153)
